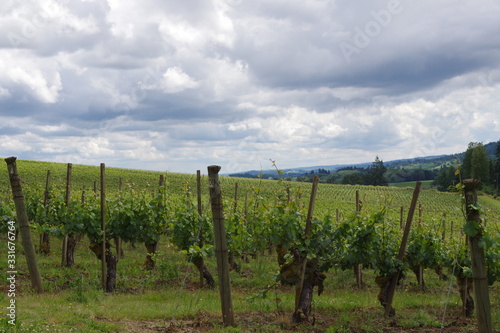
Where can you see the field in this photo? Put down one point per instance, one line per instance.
(426, 184)
(169, 298)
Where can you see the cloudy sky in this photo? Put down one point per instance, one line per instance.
(179, 85)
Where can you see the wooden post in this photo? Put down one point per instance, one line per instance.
(401, 218)
(22, 218)
(402, 248)
(200, 211)
(103, 227)
(45, 237)
(420, 267)
(198, 191)
(307, 232)
(118, 241)
(235, 197)
(358, 205)
(220, 245)
(358, 269)
(246, 207)
(443, 226)
(65, 261)
(479, 274)
(420, 211)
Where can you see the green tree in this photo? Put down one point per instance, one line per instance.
(376, 174)
(352, 179)
(476, 163)
(495, 174)
(446, 178)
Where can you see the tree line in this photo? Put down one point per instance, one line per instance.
(477, 164)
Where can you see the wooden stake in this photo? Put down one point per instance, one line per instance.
(66, 201)
(479, 274)
(235, 197)
(220, 245)
(22, 219)
(200, 211)
(198, 191)
(443, 226)
(307, 232)
(103, 227)
(402, 248)
(420, 211)
(45, 237)
(401, 218)
(358, 269)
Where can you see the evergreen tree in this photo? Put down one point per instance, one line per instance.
(376, 174)
(446, 179)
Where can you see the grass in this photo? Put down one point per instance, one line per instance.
(146, 301)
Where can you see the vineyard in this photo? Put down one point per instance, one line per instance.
(161, 263)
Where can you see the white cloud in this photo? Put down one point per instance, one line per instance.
(18, 69)
(175, 80)
(14, 145)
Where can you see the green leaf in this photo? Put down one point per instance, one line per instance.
(471, 228)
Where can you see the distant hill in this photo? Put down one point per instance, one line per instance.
(424, 163)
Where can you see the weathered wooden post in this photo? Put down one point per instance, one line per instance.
(45, 237)
(118, 241)
(303, 295)
(200, 211)
(22, 218)
(69, 242)
(103, 227)
(389, 311)
(479, 274)
(358, 269)
(220, 245)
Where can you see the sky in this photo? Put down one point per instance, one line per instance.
(179, 85)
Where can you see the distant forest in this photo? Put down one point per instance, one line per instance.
(478, 161)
